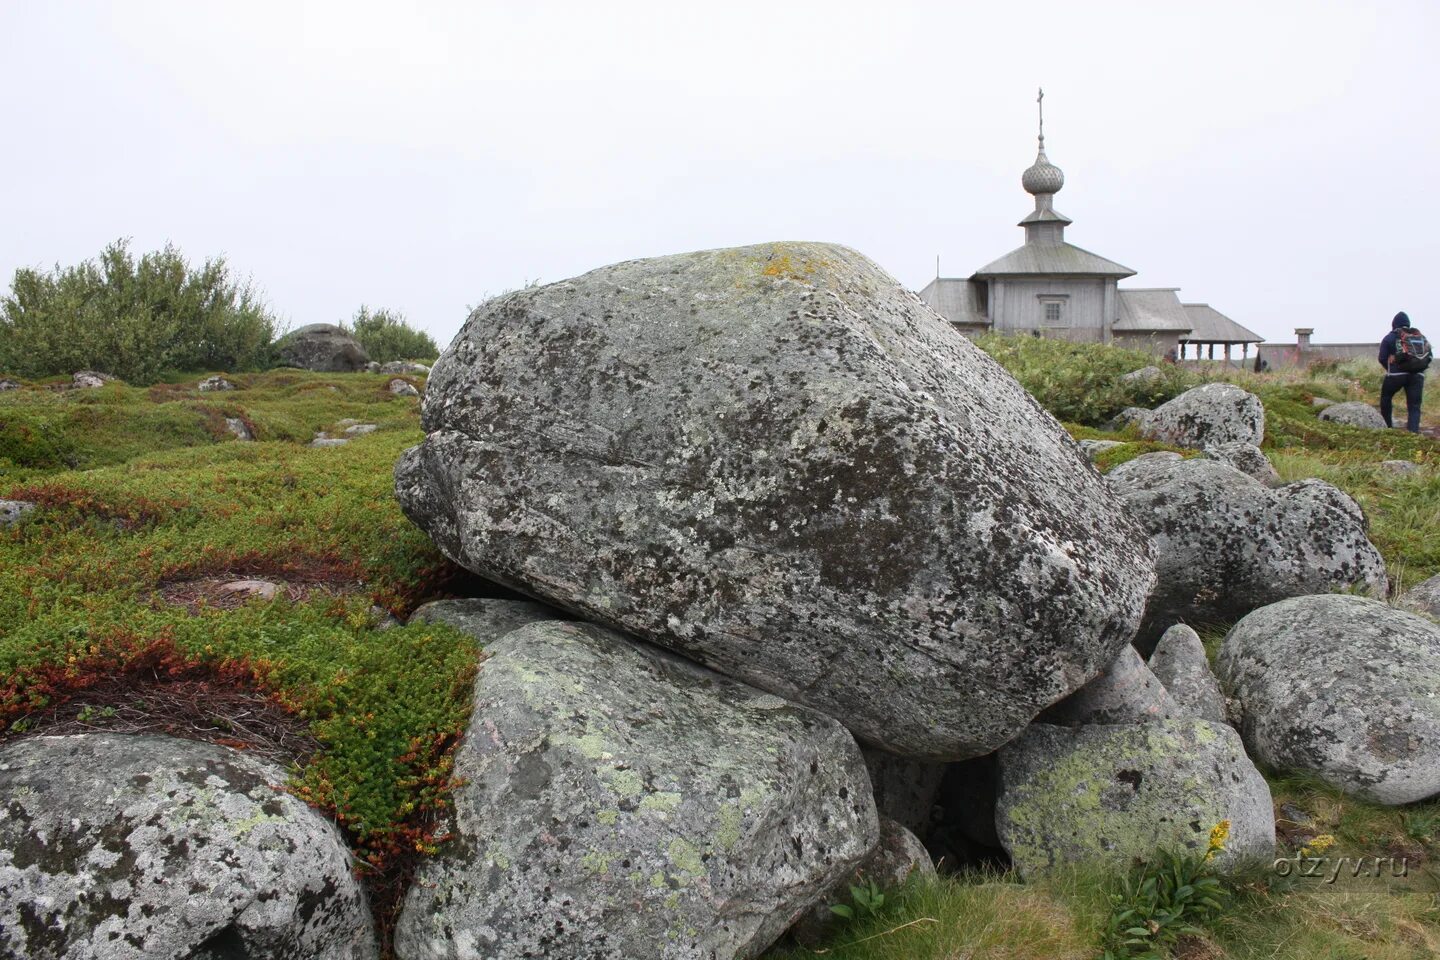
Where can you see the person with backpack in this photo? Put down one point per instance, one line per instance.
(1404, 353)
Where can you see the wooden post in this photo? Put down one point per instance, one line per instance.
(1212, 351)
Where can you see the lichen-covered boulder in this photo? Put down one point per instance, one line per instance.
(780, 463)
(13, 511)
(1206, 416)
(239, 429)
(1180, 663)
(90, 380)
(1093, 448)
(402, 388)
(1114, 793)
(622, 804)
(1248, 459)
(1124, 692)
(1402, 467)
(322, 347)
(115, 847)
(1424, 597)
(905, 790)
(1343, 687)
(1354, 414)
(404, 366)
(214, 384)
(486, 619)
(1226, 544)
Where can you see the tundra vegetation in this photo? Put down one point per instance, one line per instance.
(108, 620)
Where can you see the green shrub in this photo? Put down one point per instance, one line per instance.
(132, 318)
(386, 336)
(1164, 900)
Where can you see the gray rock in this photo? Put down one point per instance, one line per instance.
(239, 428)
(13, 511)
(1124, 692)
(1343, 687)
(1179, 662)
(1225, 544)
(360, 429)
(905, 790)
(404, 366)
(619, 804)
(212, 384)
(90, 379)
(1354, 414)
(1248, 459)
(1143, 375)
(135, 846)
(1403, 467)
(7, 384)
(1114, 793)
(1424, 597)
(263, 589)
(323, 439)
(1207, 416)
(1093, 448)
(1320, 403)
(1129, 416)
(898, 858)
(402, 388)
(484, 619)
(372, 366)
(323, 347)
(778, 462)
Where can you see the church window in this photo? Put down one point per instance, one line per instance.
(1052, 311)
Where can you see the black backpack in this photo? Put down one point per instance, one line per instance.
(1412, 351)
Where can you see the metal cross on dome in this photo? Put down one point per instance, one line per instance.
(1040, 101)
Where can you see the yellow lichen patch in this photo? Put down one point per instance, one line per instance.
(784, 267)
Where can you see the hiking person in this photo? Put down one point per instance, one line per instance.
(1404, 353)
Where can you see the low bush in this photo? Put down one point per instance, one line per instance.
(386, 336)
(133, 318)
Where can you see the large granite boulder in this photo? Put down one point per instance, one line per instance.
(1124, 692)
(780, 463)
(1424, 597)
(1226, 544)
(115, 847)
(622, 804)
(1207, 416)
(486, 619)
(1180, 663)
(1356, 413)
(1343, 687)
(1248, 459)
(1107, 793)
(322, 347)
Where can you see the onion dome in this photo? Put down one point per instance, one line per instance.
(1042, 176)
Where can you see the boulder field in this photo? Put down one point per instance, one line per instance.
(777, 462)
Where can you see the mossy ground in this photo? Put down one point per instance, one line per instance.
(145, 488)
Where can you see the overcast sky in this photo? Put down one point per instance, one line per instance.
(1276, 160)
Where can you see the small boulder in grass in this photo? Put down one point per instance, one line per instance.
(262, 589)
(7, 384)
(239, 428)
(214, 384)
(1402, 467)
(90, 379)
(13, 511)
(1354, 414)
(402, 388)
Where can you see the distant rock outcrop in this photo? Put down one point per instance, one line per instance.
(1226, 544)
(1207, 416)
(129, 847)
(619, 803)
(778, 462)
(1342, 687)
(323, 347)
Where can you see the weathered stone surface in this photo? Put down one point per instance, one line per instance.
(1225, 544)
(323, 439)
(1424, 597)
(1206, 416)
(1354, 414)
(1400, 466)
(404, 366)
(7, 384)
(1179, 662)
(898, 858)
(13, 511)
(1093, 448)
(239, 428)
(1124, 692)
(482, 618)
(90, 379)
(323, 347)
(1113, 793)
(213, 384)
(1248, 459)
(1320, 403)
(1143, 375)
(780, 463)
(360, 429)
(115, 847)
(905, 790)
(264, 589)
(622, 804)
(402, 388)
(1344, 687)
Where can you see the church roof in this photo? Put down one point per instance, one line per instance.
(1208, 325)
(1063, 259)
(1152, 309)
(956, 299)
